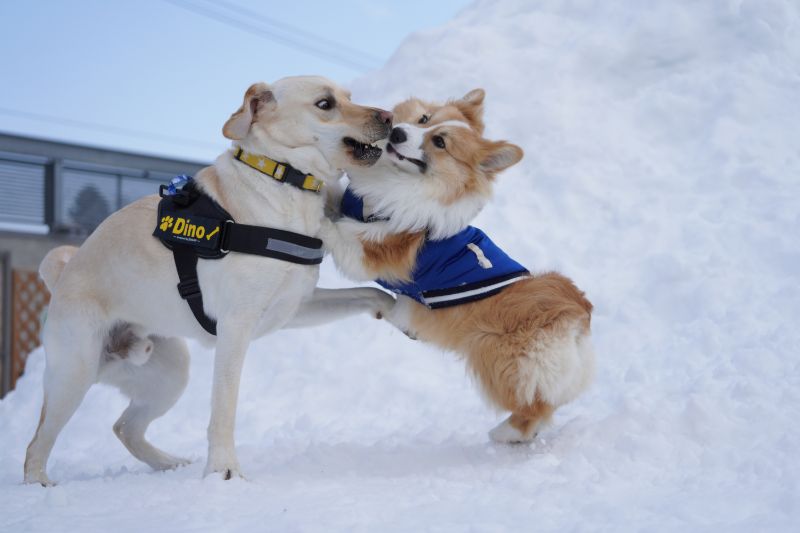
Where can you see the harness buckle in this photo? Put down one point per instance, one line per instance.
(224, 237)
(189, 289)
(182, 198)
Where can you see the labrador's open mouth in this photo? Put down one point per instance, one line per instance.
(366, 154)
(422, 165)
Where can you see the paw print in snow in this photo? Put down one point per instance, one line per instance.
(166, 223)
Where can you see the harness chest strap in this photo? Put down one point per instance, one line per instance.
(283, 245)
(194, 226)
(189, 286)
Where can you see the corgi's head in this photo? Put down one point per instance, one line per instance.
(436, 173)
(468, 108)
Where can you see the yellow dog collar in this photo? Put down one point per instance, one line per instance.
(283, 172)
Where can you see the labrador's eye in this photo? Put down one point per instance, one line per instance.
(325, 104)
(438, 141)
(423, 119)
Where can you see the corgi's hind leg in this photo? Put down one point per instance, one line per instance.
(153, 388)
(555, 370)
(523, 425)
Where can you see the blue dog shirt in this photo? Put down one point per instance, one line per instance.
(463, 268)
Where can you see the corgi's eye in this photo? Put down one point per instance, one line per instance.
(424, 119)
(438, 141)
(325, 104)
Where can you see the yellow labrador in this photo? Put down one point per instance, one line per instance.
(116, 317)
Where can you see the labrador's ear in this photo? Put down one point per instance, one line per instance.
(499, 156)
(256, 100)
(471, 106)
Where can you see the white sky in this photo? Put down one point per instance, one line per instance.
(150, 76)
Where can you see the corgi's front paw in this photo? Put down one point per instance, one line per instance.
(327, 233)
(384, 304)
(400, 316)
(410, 334)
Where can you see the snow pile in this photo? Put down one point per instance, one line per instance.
(661, 173)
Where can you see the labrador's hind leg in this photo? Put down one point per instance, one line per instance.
(73, 357)
(153, 388)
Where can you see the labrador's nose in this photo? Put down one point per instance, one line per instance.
(398, 136)
(384, 116)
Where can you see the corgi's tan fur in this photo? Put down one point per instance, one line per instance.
(528, 346)
(393, 257)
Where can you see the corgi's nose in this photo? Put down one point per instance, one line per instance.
(398, 136)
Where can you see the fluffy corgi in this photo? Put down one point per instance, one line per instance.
(405, 224)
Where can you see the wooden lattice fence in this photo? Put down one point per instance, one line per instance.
(29, 297)
(5, 322)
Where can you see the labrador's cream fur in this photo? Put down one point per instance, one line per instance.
(116, 317)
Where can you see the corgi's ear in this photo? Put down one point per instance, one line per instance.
(256, 100)
(474, 97)
(471, 106)
(499, 156)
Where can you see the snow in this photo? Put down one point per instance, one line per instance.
(662, 174)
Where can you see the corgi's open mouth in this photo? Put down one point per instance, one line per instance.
(363, 153)
(422, 165)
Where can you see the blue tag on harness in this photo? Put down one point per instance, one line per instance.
(175, 184)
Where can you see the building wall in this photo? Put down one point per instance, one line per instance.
(27, 251)
(54, 193)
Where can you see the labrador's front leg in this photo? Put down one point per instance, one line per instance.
(329, 305)
(233, 338)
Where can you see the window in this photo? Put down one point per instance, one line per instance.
(135, 188)
(87, 198)
(50, 186)
(22, 196)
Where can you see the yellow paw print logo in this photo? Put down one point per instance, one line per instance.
(166, 222)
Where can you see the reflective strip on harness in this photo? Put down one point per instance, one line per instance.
(285, 247)
(271, 242)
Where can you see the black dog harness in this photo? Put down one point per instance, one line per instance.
(193, 225)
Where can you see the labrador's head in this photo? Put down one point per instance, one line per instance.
(309, 122)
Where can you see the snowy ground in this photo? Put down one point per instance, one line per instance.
(662, 173)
